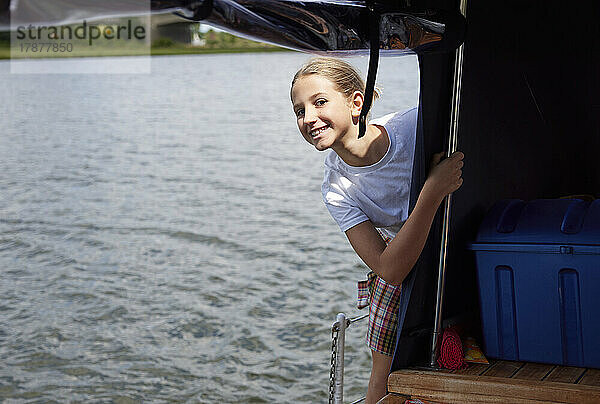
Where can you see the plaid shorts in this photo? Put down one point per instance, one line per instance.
(383, 300)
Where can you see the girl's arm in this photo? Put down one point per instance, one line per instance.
(394, 261)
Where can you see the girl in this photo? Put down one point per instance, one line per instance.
(366, 189)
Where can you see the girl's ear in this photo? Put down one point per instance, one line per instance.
(357, 102)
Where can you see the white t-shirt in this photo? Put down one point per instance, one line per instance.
(379, 192)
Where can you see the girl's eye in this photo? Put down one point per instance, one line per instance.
(299, 113)
(320, 102)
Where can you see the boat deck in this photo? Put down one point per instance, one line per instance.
(499, 382)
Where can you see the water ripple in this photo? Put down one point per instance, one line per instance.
(167, 242)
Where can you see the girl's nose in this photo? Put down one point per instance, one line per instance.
(310, 116)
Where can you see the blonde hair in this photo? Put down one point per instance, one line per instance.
(344, 76)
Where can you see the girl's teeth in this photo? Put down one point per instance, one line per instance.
(317, 132)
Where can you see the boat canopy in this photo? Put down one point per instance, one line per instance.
(316, 26)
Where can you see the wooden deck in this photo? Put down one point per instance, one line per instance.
(498, 382)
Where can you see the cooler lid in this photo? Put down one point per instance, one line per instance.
(570, 249)
(542, 221)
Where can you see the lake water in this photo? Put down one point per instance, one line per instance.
(163, 238)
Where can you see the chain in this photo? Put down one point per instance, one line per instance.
(335, 329)
(334, 338)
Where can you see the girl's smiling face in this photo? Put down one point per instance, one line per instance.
(324, 115)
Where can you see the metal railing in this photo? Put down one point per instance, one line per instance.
(452, 147)
(336, 374)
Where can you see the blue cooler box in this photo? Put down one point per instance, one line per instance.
(538, 267)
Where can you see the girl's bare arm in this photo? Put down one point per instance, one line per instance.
(394, 261)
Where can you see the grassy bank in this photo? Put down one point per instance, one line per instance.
(210, 43)
(5, 52)
(154, 51)
(196, 51)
